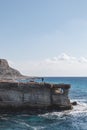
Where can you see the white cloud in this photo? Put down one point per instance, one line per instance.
(63, 65)
(83, 59)
(64, 56)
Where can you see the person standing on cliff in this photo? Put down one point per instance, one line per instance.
(42, 79)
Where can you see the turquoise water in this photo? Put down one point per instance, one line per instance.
(75, 119)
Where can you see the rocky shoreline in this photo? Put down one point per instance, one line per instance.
(31, 97)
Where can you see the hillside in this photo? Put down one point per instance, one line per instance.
(8, 73)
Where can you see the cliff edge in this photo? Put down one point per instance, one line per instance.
(8, 73)
(32, 97)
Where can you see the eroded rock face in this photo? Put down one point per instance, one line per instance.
(6, 72)
(3, 63)
(38, 97)
(35, 97)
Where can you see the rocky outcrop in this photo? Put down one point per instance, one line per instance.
(34, 97)
(8, 73)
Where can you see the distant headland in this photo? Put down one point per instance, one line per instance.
(10, 74)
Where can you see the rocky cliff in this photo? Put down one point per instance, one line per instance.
(33, 97)
(8, 73)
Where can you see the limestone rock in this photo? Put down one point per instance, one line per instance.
(33, 97)
(6, 72)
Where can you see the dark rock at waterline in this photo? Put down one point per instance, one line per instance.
(74, 103)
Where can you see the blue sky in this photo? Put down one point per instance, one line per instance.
(45, 37)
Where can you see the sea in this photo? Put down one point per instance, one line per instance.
(75, 119)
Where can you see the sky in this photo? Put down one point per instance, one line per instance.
(44, 37)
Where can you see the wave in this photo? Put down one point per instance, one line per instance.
(80, 108)
(78, 100)
(43, 121)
